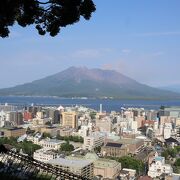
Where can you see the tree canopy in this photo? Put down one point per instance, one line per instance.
(48, 16)
(66, 147)
(130, 162)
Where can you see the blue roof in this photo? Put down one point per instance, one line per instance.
(159, 158)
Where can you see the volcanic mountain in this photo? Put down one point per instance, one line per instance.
(92, 83)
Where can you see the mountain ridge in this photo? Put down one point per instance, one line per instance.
(84, 82)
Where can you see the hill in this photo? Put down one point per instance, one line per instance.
(84, 82)
(173, 88)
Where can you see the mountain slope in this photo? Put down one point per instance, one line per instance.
(173, 88)
(80, 82)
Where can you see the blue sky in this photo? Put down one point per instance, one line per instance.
(139, 38)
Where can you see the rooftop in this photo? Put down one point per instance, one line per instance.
(53, 141)
(70, 163)
(111, 144)
(129, 141)
(101, 162)
(159, 158)
(98, 162)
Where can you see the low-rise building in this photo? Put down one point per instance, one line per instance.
(105, 168)
(51, 143)
(158, 167)
(114, 149)
(14, 132)
(133, 144)
(40, 121)
(83, 168)
(44, 155)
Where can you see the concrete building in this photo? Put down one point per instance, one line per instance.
(14, 132)
(167, 130)
(66, 131)
(51, 143)
(133, 144)
(94, 140)
(16, 118)
(54, 114)
(173, 111)
(83, 168)
(39, 121)
(27, 116)
(53, 131)
(114, 149)
(3, 118)
(44, 155)
(102, 167)
(107, 168)
(84, 131)
(7, 107)
(104, 124)
(158, 167)
(69, 119)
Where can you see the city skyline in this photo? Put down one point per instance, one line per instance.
(139, 39)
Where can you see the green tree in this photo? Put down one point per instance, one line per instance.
(47, 15)
(165, 154)
(66, 147)
(59, 137)
(92, 115)
(172, 152)
(130, 162)
(177, 162)
(71, 138)
(27, 146)
(177, 148)
(45, 135)
(176, 166)
(97, 149)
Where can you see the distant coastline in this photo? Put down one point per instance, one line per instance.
(108, 104)
(98, 98)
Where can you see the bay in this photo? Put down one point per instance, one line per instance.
(107, 104)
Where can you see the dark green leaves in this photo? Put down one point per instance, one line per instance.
(47, 16)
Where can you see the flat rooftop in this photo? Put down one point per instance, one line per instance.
(112, 144)
(70, 163)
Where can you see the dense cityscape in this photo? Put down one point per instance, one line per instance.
(134, 143)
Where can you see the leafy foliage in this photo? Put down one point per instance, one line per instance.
(172, 152)
(66, 147)
(71, 138)
(46, 135)
(97, 149)
(48, 16)
(27, 146)
(92, 115)
(176, 166)
(177, 162)
(130, 162)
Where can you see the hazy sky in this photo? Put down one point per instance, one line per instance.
(139, 38)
